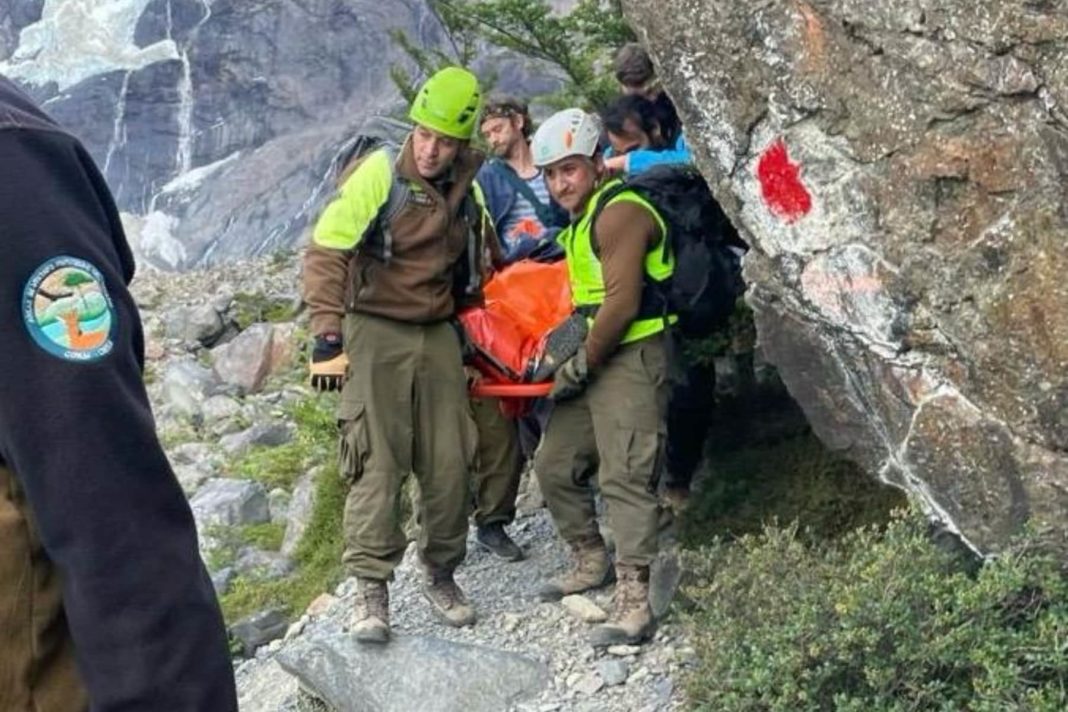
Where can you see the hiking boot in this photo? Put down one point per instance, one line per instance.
(632, 621)
(372, 611)
(446, 599)
(592, 569)
(496, 539)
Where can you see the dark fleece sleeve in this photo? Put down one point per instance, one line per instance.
(80, 438)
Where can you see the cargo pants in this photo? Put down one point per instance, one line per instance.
(615, 431)
(37, 669)
(498, 463)
(691, 406)
(404, 409)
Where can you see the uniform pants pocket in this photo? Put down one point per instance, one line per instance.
(354, 442)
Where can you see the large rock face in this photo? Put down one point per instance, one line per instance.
(215, 121)
(899, 169)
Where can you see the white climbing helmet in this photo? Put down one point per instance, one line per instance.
(571, 132)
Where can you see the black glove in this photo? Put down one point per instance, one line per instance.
(571, 379)
(328, 363)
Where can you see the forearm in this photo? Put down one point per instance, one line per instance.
(644, 159)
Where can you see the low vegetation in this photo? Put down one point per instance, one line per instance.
(249, 309)
(810, 588)
(318, 556)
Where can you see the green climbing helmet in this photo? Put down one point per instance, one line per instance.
(448, 103)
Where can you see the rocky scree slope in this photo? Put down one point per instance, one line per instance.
(225, 374)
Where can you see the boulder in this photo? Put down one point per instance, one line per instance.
(262, 686)
(299, 512)
(201, 324)
(222, 579)
(247, 360)
(220, 408)
(279, 500)
(261, 434)
(191, 477)
(259, 629)
(258, 565)
(226, 502)
(194, 454)
(186, 385)
(898, 169)
(411, 673)
(613, 671)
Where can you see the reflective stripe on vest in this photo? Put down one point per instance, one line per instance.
(584, 267)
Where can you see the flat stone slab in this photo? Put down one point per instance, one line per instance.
(411, 673)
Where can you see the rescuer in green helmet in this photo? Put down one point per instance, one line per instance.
(383, 279)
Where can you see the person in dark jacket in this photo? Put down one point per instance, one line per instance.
(636, 75)
(105, 604)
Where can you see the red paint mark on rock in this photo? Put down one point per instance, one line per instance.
(780, 184)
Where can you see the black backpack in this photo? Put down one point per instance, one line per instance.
(707, 279)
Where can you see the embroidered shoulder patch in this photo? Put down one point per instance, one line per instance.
(67, 310)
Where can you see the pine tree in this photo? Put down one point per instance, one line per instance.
(578, 45)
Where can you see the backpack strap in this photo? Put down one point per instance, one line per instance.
(473, 213)
(654, 298)
(543, 211)
(602, 202)
(378, 240)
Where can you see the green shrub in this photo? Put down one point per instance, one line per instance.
(267, 536)
(737, 336)
(881, 619)
(318, 560)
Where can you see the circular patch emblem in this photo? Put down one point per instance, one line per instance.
(68, 311)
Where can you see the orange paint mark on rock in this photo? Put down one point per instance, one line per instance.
(814, 39)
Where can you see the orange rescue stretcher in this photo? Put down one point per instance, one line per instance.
(523, 303)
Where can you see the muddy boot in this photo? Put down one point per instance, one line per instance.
(494, 538)
(632, 620)
(592, 569)
(372, 611)
(446, 599)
